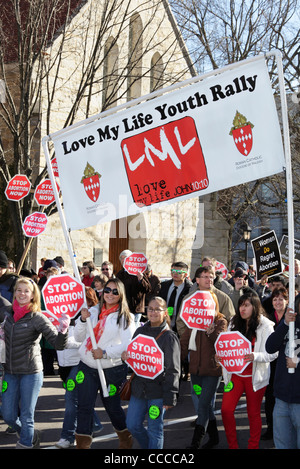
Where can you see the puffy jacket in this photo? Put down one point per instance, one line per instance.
(22, 341)
(114, 340)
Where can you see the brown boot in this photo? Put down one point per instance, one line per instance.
(125, 439)
(83, 441)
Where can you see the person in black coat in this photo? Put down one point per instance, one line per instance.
(179, 286)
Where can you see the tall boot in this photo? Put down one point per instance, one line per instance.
(83, 441)
(213, 434)
(125, 439)
(198, 435)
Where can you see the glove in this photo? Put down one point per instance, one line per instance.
(64, 322)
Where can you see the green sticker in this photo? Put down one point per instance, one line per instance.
(170, 310)
(154, 412)
(80, 377)
(112, 390)
(70, 385)
(4, 386)
(228, 387)
(197, 389)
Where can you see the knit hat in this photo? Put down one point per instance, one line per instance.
(49, 263)
(59, 260)
(241, 265)
(240, 273)
(3, 259)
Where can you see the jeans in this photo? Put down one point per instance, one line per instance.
(206, 386)
(286, 425)
(20, 397)
(71, 406)
(153, 437)
(87, 394)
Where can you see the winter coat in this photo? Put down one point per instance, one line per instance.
(165, 385)
(22, 341)
(261, 365)
(202, 360)
(114, 340)
(136, 290)
(286, 385)
(70, 355)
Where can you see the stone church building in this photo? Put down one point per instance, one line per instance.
(141, 38)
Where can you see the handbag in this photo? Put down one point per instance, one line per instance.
(125, 388)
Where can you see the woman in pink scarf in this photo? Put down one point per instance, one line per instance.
(23, 370)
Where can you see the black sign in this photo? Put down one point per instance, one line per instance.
(284, 249)
(267, 255)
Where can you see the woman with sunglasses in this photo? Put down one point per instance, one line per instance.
(113, 329)
(152, 397)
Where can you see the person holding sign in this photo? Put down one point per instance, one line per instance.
(113, 329)
(24, 324)
(252, 324)
(152, 397)
(205, 371)
(286, 414)
(280, 301)
(136, 287)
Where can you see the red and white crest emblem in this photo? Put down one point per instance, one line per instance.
(242, 134)
(243, 139)
(91, 183)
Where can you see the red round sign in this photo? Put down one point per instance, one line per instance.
(63, 294)
(136, 262)
(55, 167)
(18, 187)
(231, 347)
(145, 357)
(44, 194)
(221, 268)
(198, 310)
(35, 224)
(53, 319)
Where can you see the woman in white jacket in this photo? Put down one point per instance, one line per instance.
(250, 321)
(113, 329)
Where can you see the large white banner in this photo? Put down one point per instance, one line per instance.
(219, 132)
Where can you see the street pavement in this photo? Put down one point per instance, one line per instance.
(178, 428)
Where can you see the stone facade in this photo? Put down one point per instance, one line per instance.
(182, 231)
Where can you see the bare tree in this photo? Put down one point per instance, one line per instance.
(37, 39)
(223, 32)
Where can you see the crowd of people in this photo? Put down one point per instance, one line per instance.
(120, 306)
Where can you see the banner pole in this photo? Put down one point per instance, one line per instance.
(72, 256)
(290, 212)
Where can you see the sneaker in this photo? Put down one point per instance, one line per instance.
(63, 444)
(10, 431)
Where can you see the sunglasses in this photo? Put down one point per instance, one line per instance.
(114, 291)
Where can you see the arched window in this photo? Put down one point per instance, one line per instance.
(110, 74)
(156, 72)
(135, 51)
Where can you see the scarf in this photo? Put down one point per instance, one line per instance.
(19, 311)
(99, 328)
